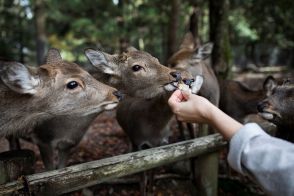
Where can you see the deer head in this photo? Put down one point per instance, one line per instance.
(278, 106)
(55, 88)
(134, 72)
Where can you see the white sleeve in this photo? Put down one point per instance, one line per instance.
(269, 160)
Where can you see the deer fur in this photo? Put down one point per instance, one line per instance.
(29, 95)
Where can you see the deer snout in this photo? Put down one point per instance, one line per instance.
(176, 75)
(261, 106)
(118, 94)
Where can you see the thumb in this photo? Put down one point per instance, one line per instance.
(186, 95)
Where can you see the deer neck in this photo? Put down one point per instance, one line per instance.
(16, 108)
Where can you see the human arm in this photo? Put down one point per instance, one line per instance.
(252, 152)
(193, 108)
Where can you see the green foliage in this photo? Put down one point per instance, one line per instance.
(75, 25)
(263, 21)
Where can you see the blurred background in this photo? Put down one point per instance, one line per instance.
(252, 39)
(246, 34)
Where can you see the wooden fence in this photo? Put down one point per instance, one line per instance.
(87, 174)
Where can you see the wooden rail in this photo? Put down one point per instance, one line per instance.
(87, 174)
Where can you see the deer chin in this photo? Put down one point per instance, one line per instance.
(107, 105)
(270, 115)
(267, 115)
(172, 86)
(110, 106)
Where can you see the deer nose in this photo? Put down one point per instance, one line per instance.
(176, 75)
(188, 81)
(118, 94)
(261, 106)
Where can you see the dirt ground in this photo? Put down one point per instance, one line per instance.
(105, 138)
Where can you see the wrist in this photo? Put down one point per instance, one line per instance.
(209, 112)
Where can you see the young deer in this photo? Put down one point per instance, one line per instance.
(148, 84)
(29, 95)
(195, 59)
(144, 113)
(278, 108)
(136, 73)
(238, 100)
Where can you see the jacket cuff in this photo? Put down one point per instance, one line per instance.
(238, 143)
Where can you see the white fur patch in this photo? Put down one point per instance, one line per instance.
(266, 115)
(170, 87)
(19, 79)
(110, 106)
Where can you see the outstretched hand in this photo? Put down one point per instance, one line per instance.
(189, 107)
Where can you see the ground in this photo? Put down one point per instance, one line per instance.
(105, 138)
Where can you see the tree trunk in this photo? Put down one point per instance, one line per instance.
(218, 25)
(123, 41)
(173, 27)
(40, 23)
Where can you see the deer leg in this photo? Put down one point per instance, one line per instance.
(191, 130)
(13, 142)
(64, 147)
(181, 129)
(47, 156)
(143, 183)
(150, 181)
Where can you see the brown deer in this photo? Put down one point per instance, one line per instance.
(278, 108)
(144, 113)
(136, 73)
(194, 58)
(29, 95)
(238, 100)
(148, 85)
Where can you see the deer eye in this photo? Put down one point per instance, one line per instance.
(72, 85)
(136, 67)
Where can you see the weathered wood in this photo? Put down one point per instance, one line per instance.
(15, 163)
(206, 169)
(83, 175)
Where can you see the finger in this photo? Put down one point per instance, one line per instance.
(185, 95)
(176, 96)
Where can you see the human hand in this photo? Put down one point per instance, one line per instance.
(189, 107)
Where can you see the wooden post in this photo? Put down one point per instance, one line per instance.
(87, 174)
(206, 169)
(16, 163)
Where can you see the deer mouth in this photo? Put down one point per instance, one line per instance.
(172, 86)
(107, 105)
(269, 115)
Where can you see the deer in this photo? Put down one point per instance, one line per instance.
(194, 58)
(144, 113)
(278, 107)
(122, 71)
(30, 95)
(238, 100)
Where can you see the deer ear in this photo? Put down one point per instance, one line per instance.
(19, 79)
(131, 49)
(188, 41)
(53, 56)
(269, 84)
(99, 60)
(288, 81)
(204, 51)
